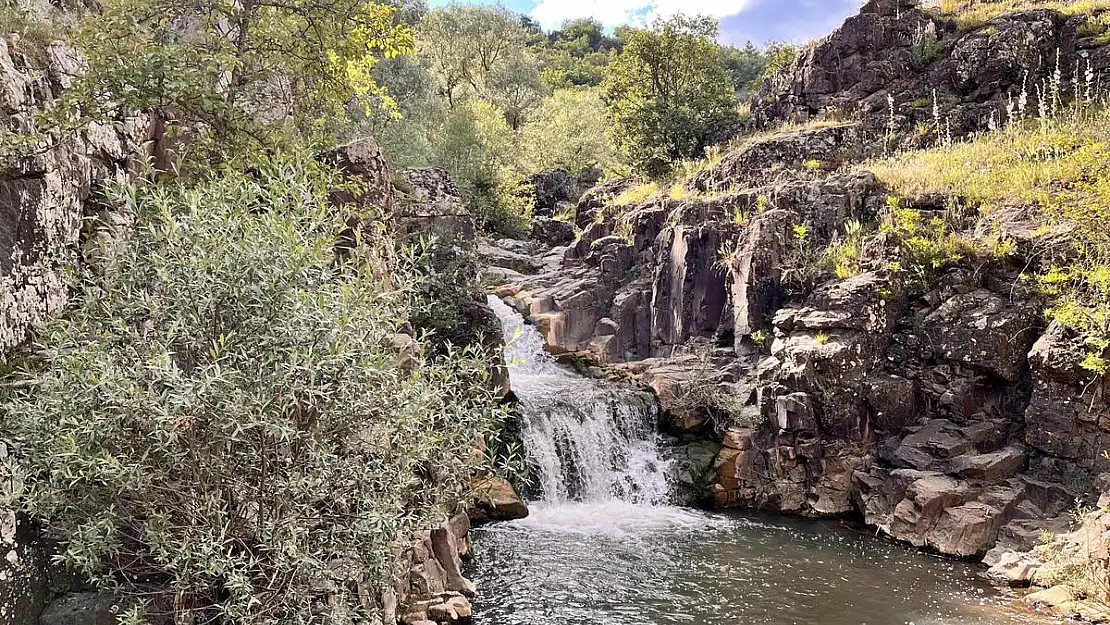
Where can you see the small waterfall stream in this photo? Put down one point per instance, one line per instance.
(602, 545)
(589, 441)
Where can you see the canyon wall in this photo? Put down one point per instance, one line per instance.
(942, 409)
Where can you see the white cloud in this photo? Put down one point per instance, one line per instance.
(552, 13)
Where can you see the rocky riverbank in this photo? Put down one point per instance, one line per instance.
(940, 406)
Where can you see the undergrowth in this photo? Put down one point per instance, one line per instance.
(1058, 164)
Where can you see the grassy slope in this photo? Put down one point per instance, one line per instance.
(1059, 165)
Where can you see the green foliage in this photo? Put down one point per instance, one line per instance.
(844, 253)
(668, 93)
(930, 243)
(406, 140)
(746, 66)
(477, 146)
(779, 57)
(228, 407)
(466, 46)
(230, 77)
(576, 55)
(568, 131)
(1059, 165)
(516, 88)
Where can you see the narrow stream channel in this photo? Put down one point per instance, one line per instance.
(602, 546)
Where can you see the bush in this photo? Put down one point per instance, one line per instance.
(570, 131)
(228, 409)
(668, 93)
(478, 148)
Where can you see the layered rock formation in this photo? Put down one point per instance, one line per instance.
(934, 405)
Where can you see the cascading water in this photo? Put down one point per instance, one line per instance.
(601, 545)
(588, 441)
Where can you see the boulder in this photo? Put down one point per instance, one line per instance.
(1068, 410)
(83, 608)
(869, 302)
(984, 331)
(497, 500)
(364, 160)
(552, 232)
(430, 206)
(550, 189)
(1051, 597)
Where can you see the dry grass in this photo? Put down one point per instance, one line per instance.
(638, 194)
(29, 35)
(974, 13)
(1060, 165)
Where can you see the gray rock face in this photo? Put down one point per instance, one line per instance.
(909, 54)
(982, 330)
(1068, 415)
(43, 196)
(83, 608)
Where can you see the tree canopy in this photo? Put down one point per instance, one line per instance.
(235, 69)
(668, 92)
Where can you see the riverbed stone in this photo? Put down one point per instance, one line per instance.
(498, 500)
(82, 608)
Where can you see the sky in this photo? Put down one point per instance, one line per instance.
(759, 21)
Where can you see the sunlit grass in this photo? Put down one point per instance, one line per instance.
(974, 13)
(1059, 165)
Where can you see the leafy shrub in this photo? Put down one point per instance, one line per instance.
(227, 407)
(477, 146)
(780, 56)
(844, 253)
(668, 93)
(930, 242)
(570, 131)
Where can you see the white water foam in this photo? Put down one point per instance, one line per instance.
(593, 445)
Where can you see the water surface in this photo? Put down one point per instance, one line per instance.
(592, 564)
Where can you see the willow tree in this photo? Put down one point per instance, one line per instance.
(231, 71)
(668, 92)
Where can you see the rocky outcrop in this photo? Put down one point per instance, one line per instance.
(45, 192)
(497, 500)
(933, 403)
(894, 50)
(434, 589)
(554, 191)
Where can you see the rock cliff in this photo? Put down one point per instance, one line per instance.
(939, 408)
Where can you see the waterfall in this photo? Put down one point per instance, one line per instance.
(588, 441)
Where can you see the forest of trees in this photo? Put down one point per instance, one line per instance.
(491, 97)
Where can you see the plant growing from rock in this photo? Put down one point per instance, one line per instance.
(231, 409)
